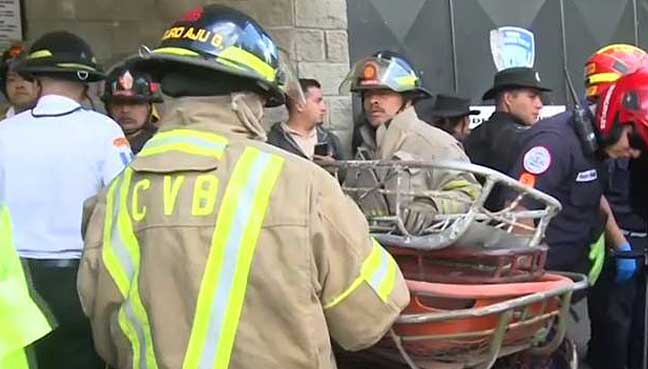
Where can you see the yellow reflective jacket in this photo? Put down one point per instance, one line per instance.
(21, 320)
(213, 250)
(409, 138)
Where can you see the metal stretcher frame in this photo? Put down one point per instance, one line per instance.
(449, 228)
(504, 311)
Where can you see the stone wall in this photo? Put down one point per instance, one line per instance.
(313, 32)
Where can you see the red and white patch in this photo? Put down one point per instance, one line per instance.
(537, 160)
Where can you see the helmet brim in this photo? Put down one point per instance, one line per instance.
(29, 70)
(158, 65)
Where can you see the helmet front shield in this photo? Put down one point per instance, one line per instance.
(379, 73)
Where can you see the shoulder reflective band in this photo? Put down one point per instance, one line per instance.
(121, 256)
(224, 282)
(187, 141)
(378, 270)
(21, 319)
(453, 202)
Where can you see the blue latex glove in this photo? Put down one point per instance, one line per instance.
(625, 268)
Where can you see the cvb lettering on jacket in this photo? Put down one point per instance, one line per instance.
(200, 190)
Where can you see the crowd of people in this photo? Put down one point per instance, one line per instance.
(196, 239)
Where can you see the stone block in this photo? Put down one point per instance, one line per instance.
(95, 10)
(139, 10)
(340, 113)
(285, 39)
(274, 115)
(174, 9)
(337, 46)
(310, 45)
(99, 36)
(37, 28)
(49, 10)
(274, 13)
(128, 36)
(330, 75)
(323, 14)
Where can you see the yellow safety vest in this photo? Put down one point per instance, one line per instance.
(21, 319)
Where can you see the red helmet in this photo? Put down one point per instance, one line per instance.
(609, 63)
(624, 102)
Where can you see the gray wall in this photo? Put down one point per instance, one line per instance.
(421, 29)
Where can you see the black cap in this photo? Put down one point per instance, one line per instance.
(518, 77)
(449, 106)
(61, 54)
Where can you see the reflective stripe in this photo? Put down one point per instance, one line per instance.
(121, 255)
(115, 258)
(76, 65)
(39, 54)
(224, 282)
(407, 81)
(185, 140)
(239, 57)
(378, 270)
(463, 185)
(602, 77)
(178, 51)
(452, 206)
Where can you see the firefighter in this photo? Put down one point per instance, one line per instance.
(21, 319)
(52, 159)
(616, 314)
(558, 160)
(21, 92)
(192, 257)
(129, 97)
(389, 88)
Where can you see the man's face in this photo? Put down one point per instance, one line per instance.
(315, 107)
(622, 149)
(131, 115)
(525, 104)
(381, 106)
(21, 93)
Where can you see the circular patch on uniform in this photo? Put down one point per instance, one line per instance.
(537, 160)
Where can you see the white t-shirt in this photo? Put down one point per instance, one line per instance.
(53, 158)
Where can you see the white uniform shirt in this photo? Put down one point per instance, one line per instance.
(52, 159)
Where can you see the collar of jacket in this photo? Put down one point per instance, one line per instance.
(54, 106)
(403, 121)
(322, 137)
(502, 116)
(205, 113)
(368, 136)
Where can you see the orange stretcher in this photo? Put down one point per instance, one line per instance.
(477, 279)
(462, 326)
(469, 265)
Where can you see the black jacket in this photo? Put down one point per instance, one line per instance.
(283, 140)
(495, 144)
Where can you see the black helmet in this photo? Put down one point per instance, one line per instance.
(64, 55)
(218, 38)
(385, 70)
(125, 84)
(9, 59)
